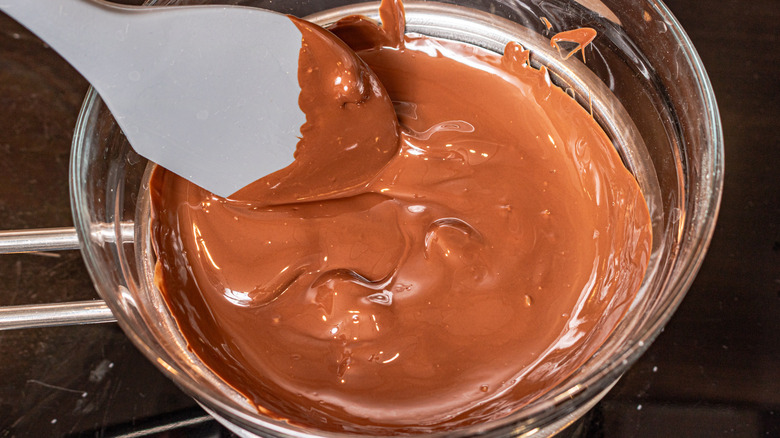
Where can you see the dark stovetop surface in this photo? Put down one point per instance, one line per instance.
(714, 371)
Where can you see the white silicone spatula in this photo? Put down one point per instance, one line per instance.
(208, 92)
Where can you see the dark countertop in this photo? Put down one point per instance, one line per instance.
(714, 371)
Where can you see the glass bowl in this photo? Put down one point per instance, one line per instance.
(645, 85)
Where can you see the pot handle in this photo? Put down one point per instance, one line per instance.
(55, 314)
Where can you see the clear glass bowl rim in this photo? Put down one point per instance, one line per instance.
(683, 271)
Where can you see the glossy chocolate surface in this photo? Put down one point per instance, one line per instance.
(486, 259)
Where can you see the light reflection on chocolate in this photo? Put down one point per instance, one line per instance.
(496, 244)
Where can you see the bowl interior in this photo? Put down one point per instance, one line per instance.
(645, 86)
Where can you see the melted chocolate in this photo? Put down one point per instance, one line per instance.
(340, 96)
(581, 37)
(490, 253)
